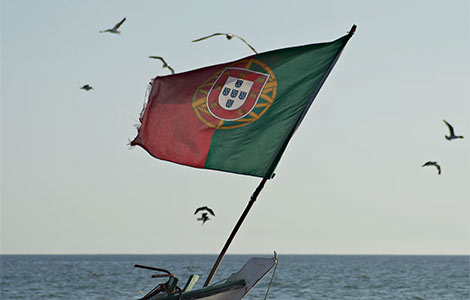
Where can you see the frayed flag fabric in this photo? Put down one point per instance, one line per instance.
(239, 116)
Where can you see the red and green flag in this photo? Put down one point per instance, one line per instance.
(239, 116)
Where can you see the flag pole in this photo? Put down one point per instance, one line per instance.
(234, 231)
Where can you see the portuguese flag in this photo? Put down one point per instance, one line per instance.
(239, 116)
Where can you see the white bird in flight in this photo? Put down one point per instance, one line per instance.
(452, 135)
(433, 163)
(229, 36)
(165, 65)
(115, 28)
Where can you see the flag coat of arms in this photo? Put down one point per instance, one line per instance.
(239, 116)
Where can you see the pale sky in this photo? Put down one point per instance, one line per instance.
(350, 181)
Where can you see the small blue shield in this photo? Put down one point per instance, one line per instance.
(229, 103)
(238, 83)
(234, 93)
(226, 91)
(242, 95)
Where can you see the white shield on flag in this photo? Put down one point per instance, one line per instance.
(234, 93)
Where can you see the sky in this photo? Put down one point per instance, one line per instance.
(350, 181)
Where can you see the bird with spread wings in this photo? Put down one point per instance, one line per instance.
(165, 65)
(433, 163)
(204, 216)
(451, 135)
(229, 36)
(115, 28)
(204, 208)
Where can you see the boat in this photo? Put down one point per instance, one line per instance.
(234, 287)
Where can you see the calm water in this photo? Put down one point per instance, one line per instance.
(297, 277)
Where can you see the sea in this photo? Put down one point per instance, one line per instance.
(309, 277)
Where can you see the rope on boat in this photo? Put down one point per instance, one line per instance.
(271, 281)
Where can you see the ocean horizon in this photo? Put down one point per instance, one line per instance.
(261, 253)
(299, 276)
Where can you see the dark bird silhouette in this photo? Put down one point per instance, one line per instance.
(452, 135)
(204, 208)
(433, 163)
(86, 87)
(204, 217)
(115, 28)
(229, 36)
(165, 65)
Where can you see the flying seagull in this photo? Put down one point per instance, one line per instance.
(203, 218)
(165, 65)
(452, 136)
(229, 36)
(115, 28)
(433, 163)
(86, 87)
(204, 208)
